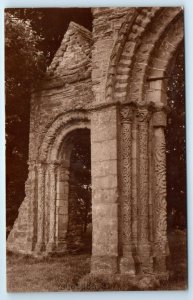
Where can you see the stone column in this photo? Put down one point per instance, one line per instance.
(126, 263)
(104, 170)
(31, 194)
(146, 263)
(160, 210)
(40, 245)
(134, 186)
(52, 167)
(62, 191)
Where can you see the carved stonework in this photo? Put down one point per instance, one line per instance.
(160, 221)
(126, 114)
(30, 191)
(52, 167)
(143, 115)
(143, 190)
(41, 198)
(127, 263)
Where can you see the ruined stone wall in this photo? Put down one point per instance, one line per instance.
(106, 25)
(66, 86)
(114, 84)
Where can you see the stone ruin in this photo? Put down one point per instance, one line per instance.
(113, 83)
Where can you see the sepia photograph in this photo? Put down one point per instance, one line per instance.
(95, 149)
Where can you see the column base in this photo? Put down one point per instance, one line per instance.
(60, 247)
(104, 264)
(127, 266)
(160, 265)
(51, 247)
(39, 248)
(145, 259)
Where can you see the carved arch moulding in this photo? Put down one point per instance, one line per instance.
(138, 52)
(58, 129)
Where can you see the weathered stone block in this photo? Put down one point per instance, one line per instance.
(61, 202)
(105, 229)
(105, 182)
(105, 150)
(104, 195)
(104, 264)
(104, 168)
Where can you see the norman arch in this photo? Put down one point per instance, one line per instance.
(119, 95)
(53, 179)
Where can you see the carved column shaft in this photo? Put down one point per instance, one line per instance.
(134, 184)
(62, 191)
(31, 194)
(143, 191)
(127, 263)
(41, 198)
(52, 206)
(160, 209)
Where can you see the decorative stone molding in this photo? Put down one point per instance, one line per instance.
(126, 114)
(52, 169)
(124, 50)
(143, 115)
(55, 126)
(136, 40)
(127, 263)
(143, 192)
(30, 190)
(160, 210)
(40, 246)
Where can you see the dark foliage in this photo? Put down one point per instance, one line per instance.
(175, 143)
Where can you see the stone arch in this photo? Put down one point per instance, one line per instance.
(124, 50)
(56, 127)
(161, 59)
(154, 54)
(53, 181)
(128, 69)
(136, 76)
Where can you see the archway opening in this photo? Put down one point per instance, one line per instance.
(176, 171)
(175, 146)
(79, 234)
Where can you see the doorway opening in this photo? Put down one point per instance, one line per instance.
(79, 234)
(175, 147)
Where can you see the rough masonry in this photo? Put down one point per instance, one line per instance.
(112, 82)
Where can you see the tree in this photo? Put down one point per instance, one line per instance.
(24, 63)
(175, 146)
(32, 37)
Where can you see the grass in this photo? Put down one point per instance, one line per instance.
(71, 272)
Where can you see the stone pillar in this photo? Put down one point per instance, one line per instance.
(40, 245)
(146, 263)
(126, 263)
(160, 210)
(52, 167)
(31, 194)
(62, 191)
(104, 172)
(134, 185)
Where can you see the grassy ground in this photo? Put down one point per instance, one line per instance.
(63, 273)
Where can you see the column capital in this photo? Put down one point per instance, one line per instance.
(126, 114)
(159, 118)
(31, 165)
(143, 114)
